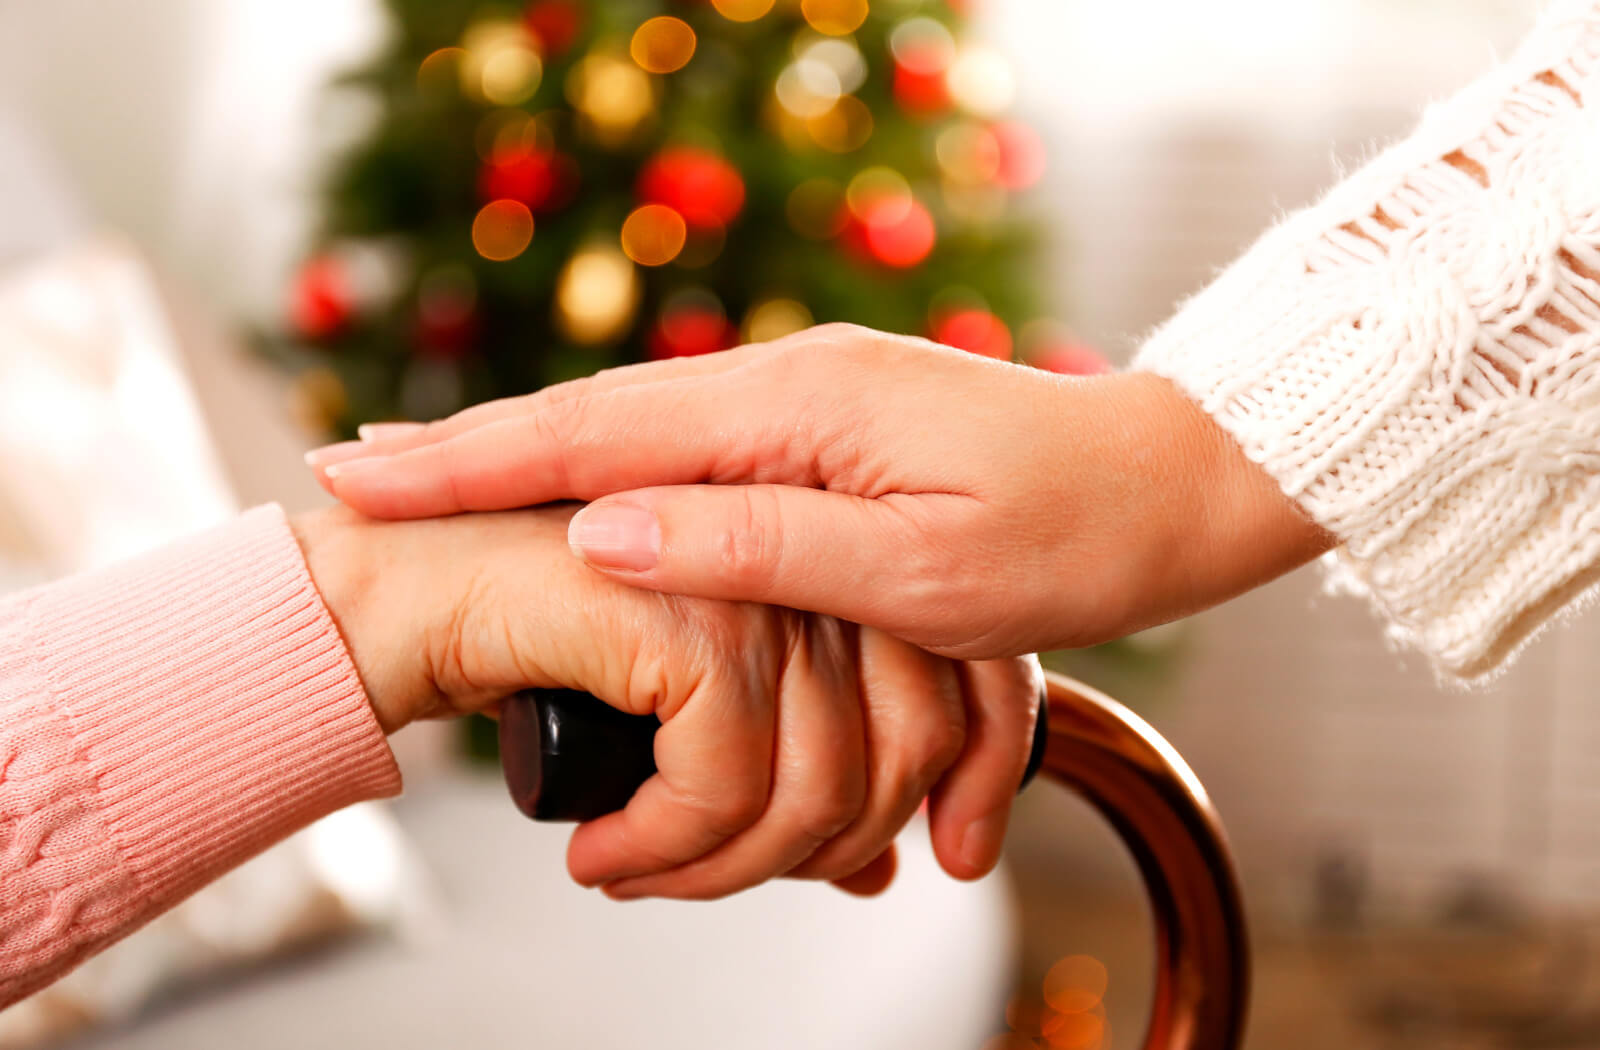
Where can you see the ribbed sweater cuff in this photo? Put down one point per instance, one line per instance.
(214, 700)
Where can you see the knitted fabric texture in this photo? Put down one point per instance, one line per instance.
(1416, 359)
(160, 723)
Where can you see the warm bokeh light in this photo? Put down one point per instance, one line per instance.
(843, 129)
(596, 295)
(982, 82)
(613, 95)
(840, 55)
(816, 209)
(502, 230)
(975, 330)
(1075, 984)
(663, 45)
(654, 235)
(742, 10)
(699, 184)
(774, 319)
(922, 45)
(555, 24)
(501, 63)
(808, 88)
(1022, 155)
(834, 17)
(901, 237)
(692, 322)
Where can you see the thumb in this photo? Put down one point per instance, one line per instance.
(803, 548)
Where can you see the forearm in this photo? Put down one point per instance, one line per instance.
(1407, 359)
(160, 723)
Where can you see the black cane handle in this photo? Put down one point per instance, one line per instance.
(570, 757)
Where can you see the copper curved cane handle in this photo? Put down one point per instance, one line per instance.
(1143, 787)
(569, 757)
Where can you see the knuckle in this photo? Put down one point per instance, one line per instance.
(554, 431)
(749, 549)
(831, 808)
(738, 811)
(936, 745)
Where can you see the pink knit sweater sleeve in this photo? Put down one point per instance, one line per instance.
(161, 722)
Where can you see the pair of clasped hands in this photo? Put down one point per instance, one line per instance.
(821, 562)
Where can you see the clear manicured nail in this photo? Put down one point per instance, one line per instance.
(319, 457)
(354, 466)
(383, 431)
(616, 536)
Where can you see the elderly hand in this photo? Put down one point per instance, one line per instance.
(791, 744)
(969, 506)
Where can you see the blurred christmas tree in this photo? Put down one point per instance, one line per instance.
(560, 187)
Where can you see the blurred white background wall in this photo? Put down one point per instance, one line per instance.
(1178, 131)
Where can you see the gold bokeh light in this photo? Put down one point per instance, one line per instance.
(654, 235)
(500, 63)
(663, 45)
(742, 10)
(597, 295)
(834, 17)
(774, 319)
(502, 230)
(613, 95)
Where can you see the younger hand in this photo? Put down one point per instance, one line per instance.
(791, 744)
(972, 507)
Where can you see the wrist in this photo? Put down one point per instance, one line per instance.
(1232, 527)
(342, 556)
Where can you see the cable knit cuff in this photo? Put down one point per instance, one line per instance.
(213, 700)
(1414, 358)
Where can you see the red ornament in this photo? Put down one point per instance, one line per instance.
(320, 301)
(689, 331)
(896, 231)
(1022, 155)
(545, 181)
(1071, 359)
(976, 330)
(920, 89)
(555, 24)
(698, 184)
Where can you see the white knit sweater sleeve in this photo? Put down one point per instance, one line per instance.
(1416, 359)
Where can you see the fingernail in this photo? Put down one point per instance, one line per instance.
(319, 457)
(981, 842)
(354, 466)
(616, 536)
(379, 431)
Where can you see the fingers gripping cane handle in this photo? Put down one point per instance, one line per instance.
(567, 756)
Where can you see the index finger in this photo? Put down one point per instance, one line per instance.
(420, 435)
(729, 428)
